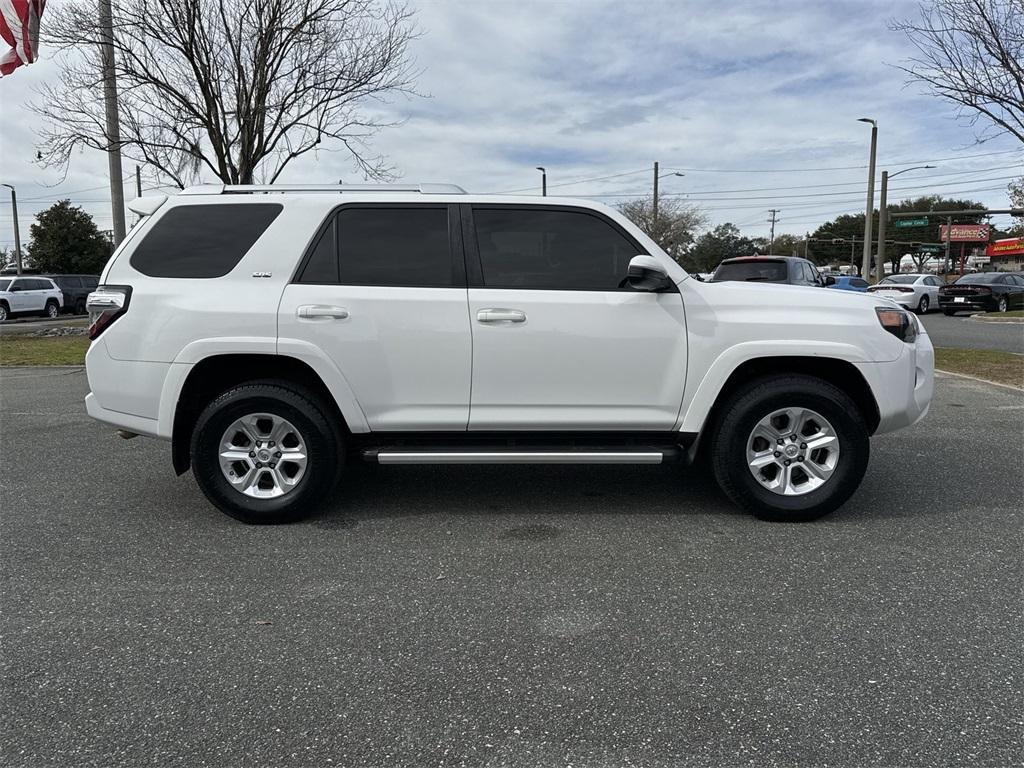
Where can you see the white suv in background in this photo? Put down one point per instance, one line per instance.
(29, 295)
(275, 333)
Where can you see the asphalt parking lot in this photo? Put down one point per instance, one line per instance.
(609, 616)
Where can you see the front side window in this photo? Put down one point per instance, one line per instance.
(202, 241)
(548, 249)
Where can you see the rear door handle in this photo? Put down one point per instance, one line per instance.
(321, 312)
(497, 315)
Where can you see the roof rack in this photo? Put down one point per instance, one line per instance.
(243, 189)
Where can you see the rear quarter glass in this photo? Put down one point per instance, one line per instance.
(202, 241)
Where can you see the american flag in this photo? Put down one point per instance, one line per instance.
(19, 28)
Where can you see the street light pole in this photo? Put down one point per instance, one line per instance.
(869, 212)
(654, 206)
(113, 129)
(17, 233)
(543, 181)
(883, 218)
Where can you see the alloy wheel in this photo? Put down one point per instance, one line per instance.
(792, 451)
(263, 456)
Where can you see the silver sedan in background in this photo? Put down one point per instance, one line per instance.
(918, 293)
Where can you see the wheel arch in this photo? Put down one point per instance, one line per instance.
(838, 372)
(217, 373)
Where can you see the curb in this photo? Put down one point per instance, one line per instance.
(980, 318)
(1010, 387)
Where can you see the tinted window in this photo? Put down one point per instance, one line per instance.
(810, 273)
(1017, 279)
(989, 277)
(551, 249)
(901, 279)
(90, 282)
(201, 241)
(68, 282)
(395, 246)
(4, 285)
(761, 270)
(859, 283)
(38, 285)
(322, 265)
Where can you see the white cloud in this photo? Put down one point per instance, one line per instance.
(590, 88)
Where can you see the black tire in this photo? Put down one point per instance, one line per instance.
(309, 416)
(80, 307)
(756, 400)
(1002, 305)
(5, 311)
(949, 312)
(52, 310)
(922, 305)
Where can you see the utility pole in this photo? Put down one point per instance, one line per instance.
(949, 233)
(543, 180)
(138, 181)
(771, 239)
(17, 233)
(865, 271)
(113, 129)
(655, 204)
(883, 218)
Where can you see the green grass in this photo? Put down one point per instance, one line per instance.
(1003, 367)
(43, 350)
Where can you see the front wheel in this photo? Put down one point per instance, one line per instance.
(266, 452)
(5, 313)
(790, 448)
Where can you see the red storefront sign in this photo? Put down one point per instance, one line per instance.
(1013, 246)
(966, 233)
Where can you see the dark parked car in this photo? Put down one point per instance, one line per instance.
(75, 289)
(770, 269)
(988, 291)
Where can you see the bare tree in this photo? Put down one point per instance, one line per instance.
(675, 228)
(971, 52)
(239, 88)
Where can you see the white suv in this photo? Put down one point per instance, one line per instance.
(29, 295)
(274, 333)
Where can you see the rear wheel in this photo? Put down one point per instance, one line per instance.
(790, 448)
(80, 307)
(52, 310)
(922, 306)
(266, 452)
(1002, 305)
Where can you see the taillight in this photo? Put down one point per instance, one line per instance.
(105, 305)
(897, 322)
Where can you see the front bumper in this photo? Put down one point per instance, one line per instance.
(903, 388)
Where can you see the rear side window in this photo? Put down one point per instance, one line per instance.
(551, 249)
(858, 283)
(401, 246)
(755, 271)
(90, 282)
(68, 282)
(202, 241)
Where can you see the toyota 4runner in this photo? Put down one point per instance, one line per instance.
(274, 333)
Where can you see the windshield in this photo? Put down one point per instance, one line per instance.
(989, 277)
(4, 285)
(900, 279)
(760, 270)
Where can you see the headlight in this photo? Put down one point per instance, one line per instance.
(897, 322)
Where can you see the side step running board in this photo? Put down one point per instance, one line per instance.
(391, 456)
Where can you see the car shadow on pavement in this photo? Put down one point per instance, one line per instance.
(369, 492)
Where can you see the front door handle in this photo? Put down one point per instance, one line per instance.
(497, 315)
(321, 312)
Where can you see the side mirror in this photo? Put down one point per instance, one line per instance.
(829, 280)
(645, 273)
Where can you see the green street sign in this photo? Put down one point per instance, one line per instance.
(907, 223)
(929, 248)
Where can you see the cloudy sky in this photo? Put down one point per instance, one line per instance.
(755, 101)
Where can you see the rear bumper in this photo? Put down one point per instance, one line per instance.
(986, 303)
(125, 394)
(137, 424)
